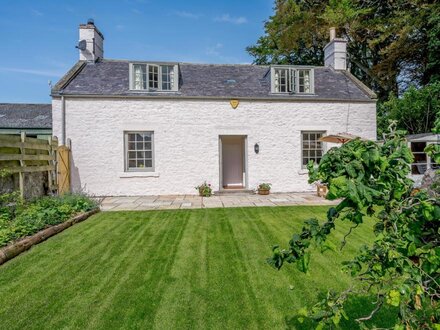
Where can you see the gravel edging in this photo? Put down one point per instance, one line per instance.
(11, 251)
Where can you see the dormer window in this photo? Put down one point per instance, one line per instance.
(290, 80)
(154, 77)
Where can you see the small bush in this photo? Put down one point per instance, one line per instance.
(204, 189)
(19, 219)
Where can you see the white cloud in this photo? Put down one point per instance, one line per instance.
(36, 12)
(136, 11)
(214, 50)
(120, 27)
(44, 73)
(186, 14)
(229, 19)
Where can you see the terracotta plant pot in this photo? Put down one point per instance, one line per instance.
(263, 191)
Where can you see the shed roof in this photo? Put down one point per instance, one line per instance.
(111, 78)
(23, 115)
(422, 137)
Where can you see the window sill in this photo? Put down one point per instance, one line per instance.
(139, 174)
(303, 171)
(292, 94)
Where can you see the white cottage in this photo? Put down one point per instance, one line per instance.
(148, 128)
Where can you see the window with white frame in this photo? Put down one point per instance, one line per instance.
(312, 147)
(139, 151)
(422, 161)
(154, 77)
(292, 80)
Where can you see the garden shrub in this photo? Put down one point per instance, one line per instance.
(401, 267)
(19, 219)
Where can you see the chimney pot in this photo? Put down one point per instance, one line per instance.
(91, 21)
(332, 33)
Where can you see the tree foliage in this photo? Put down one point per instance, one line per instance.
(401, 266)
(390, 43)
(415, 111)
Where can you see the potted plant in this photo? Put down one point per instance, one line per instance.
(204, 189)
(264, 188)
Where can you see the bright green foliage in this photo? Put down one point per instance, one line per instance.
(415, 111)
(19, 218)
(434, 149)
(401, 267)
(175, 269)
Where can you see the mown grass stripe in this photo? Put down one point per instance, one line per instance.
(183, 269)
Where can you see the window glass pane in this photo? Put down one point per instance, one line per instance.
(153, 76)
(167, 77)
(147, 137)
(419, 157)
(419, 169)
(312, 148)
(139, 154)
(282, 83)
(304, 81)
(139, 76)
(418, 146)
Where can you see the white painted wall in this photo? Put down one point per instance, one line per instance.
(186, 136)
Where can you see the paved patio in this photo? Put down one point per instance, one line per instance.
(196, 202)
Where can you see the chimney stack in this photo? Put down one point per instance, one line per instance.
(335, 52)
(91, 42)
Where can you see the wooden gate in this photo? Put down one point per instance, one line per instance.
(63, 169)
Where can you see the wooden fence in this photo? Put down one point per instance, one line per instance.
(23, 155)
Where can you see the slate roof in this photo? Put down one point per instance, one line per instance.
(111, 78)
(21, 115)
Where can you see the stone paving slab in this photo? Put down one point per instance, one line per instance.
(192, 201)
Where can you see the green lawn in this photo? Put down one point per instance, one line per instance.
(184, 269)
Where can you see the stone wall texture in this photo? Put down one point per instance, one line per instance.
(186, 140)
(35, 184)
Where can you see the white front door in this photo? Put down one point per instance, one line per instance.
(233, 162)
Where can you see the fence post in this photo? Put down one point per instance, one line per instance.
(21, 173)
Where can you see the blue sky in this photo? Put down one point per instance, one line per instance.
(38, 37)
